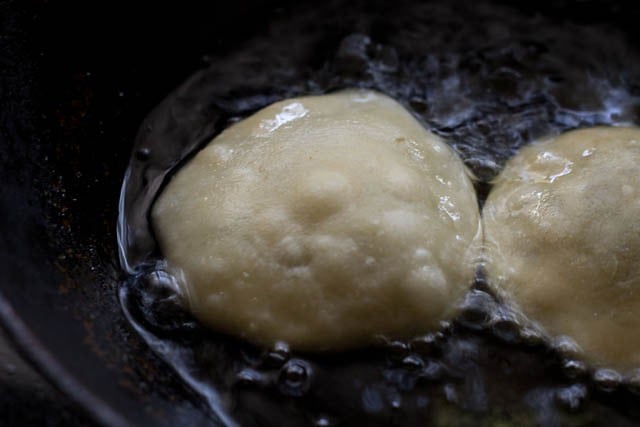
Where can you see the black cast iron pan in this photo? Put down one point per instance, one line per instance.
(77, 79)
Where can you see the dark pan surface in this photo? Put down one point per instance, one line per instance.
(77, 80)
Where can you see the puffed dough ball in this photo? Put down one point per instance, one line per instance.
(562, 230)
(323, 222)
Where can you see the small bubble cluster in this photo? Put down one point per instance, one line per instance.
(158, 298)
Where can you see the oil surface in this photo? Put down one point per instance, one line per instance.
(487, 79)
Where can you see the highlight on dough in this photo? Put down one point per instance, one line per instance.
(562, 238)
(322, 221)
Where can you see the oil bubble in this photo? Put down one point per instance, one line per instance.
(276, 357)
(397, 349)
(143, 154)
(322, 422)
(432, 372)
(412, 363)
(572, 398)
(249, 377)
(161, 304)
(607, 380)
(566, 346)
(476, 309)
(632, 382)
(428, 345)
(573, 368)
(295, 378)
(531, 337)
(505, 326)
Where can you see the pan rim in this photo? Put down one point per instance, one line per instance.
(36, 355)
